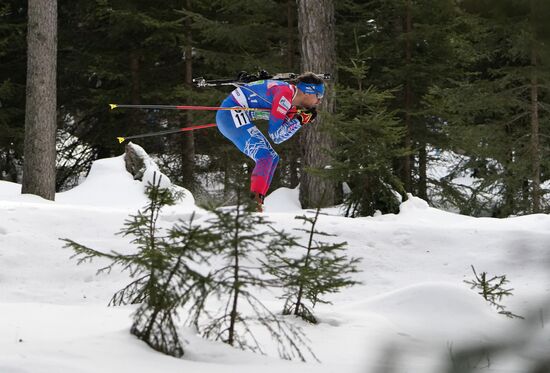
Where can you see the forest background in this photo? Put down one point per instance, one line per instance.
(416, 84)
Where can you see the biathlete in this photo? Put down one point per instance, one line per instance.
(291, 105)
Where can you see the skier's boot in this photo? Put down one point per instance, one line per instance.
(259, 199)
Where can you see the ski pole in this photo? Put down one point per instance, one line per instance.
(167, 132)
(183, 107)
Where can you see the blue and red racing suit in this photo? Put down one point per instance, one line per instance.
(238, 126)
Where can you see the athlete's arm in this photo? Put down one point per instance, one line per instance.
(282, 128)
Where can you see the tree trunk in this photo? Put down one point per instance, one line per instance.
(422, 189)
(318, 49)
(293, 155)
(407, 160)
(41, 98)
(535, 134)
(187, 138)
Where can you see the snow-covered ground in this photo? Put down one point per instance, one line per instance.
(410, 314)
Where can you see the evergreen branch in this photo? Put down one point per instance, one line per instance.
(492, 292)
(133, 290)
(283, 333)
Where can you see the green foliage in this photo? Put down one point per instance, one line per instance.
(319, 268)
(228, 37)
(459, 80)
(388, 56)
(166, 274)
(369, 138)
(488, 110)
(119, 51)
(384, 72)
(492, 290)
(163, 280)
(13, 65)
(237, 35)
(239, 278)
(133, 55)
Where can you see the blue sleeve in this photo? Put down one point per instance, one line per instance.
(281, 128)
(284, 131)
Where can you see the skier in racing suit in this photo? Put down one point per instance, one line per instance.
(290, 107)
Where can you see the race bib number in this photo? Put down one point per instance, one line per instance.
(240, 118)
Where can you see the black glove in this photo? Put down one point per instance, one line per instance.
(307, 116)
(291, 114)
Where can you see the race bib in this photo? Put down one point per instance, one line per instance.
(240, 118)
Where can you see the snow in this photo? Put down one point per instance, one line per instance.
(283, 200)
(410, 310)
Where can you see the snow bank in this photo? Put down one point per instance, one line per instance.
(9, 190)
(438, 311)
(283, 200)
(55, 319)
(109, 185)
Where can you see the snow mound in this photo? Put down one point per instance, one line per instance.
(283, 200)
(437, 311)
(109, 185)
(413, 204)
(12, 192)
(9, 190)
(416, 210)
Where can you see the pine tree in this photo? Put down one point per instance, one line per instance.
(320, 268)
(407, 46)
(495, 110)
(238, 280)
(118, 52)
(163, 269)
(368, 138)
(492, 289)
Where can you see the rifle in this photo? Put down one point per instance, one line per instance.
(243, 78)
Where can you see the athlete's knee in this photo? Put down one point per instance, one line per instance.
(268, 156)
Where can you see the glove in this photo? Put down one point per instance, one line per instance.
(307, 116)
(292, 112)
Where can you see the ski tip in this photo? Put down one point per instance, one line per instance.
(113, 106)
(121, 139)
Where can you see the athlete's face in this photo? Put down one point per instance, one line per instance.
(310, 100)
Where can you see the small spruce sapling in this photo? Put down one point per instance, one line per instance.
(492, 290)
(162, 279)
(320, 268)
(239, 279)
